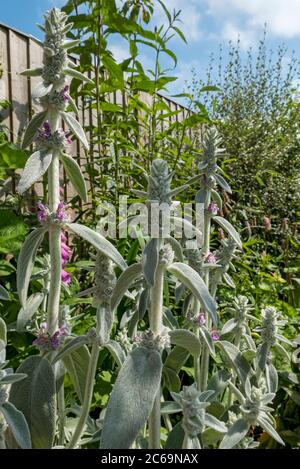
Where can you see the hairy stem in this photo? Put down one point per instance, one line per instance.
(88, 396)
(205, 350)
(156, 312)
(54, 234)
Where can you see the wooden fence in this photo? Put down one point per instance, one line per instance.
(18, 52)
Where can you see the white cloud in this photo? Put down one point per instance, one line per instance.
(247, 17)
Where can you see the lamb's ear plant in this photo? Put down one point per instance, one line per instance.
(51, 143)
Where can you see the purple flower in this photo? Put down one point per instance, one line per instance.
(215, 335)
(210, 258)
(65, 255)
(44, 134)
(267, 223)
(61, 211)
(213, 208)
(201, 319)
(47, 342)
(42, 213)
(65, 93)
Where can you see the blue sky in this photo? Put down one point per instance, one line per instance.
(206, 24)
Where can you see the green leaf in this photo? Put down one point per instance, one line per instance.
(26, 262)
(34, 396)
(171, 379)
(235, 434)
(76, 128)
(75, 175)
(180, 33)
(78, 75)
(132, 398)
(150, 260)
(76, 365)
(229, 229)
(177, 358)
(30, 132)
(12, 232)
(132, 273)
(17, 424)
(27, 311)
(99, 242)
(187, 340)
(36, 166)
(192, 280)
(175, 437)
(209, 88)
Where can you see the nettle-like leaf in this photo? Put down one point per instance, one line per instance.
(229, 229)
(150, 260)
(75, 175)
(186, 339)
(35, 168)
(192, 280)
(132, 398)
(26, 312)
(30, 132)
(99, 242)
(34, 396)
(132, 273)
(26, 262)
(17, 424)
(76, 128)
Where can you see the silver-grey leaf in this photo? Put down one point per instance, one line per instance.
(35, 397)
(132, 398)
(17, 424)
(75, 127)
(36, 166)
(229, 229)
(26, 261)
(116, 351)
(186, 339)
(27, 311)
(126, 278)
(75, 175)
(150, 260)
(235, 434)
(192, 280)
(99, 242)
(41, 90)
(30, 132)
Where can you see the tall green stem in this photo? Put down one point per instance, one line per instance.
(205, 350)
(156, 314)
(88, 396)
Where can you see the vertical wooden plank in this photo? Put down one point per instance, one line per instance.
(6, 115)
(18, 62)
(35, 61)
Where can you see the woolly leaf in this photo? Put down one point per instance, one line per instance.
(132, 398)
(75, 175)
(26, 261)
(32, 72)
(27, 311)
(75, 127)
(105, 319)
(99, 242)
(76, 364)
(236, 359)
(235, 434)
(30, 132)
(78, 75)
(71, 345)
(150, 260)
(126, 278)
(229, 229)
(17, 424)
(116, 352)
(223, 183)
(36, 166)
(187, 340)
(192, 280)
(41, 90)
(4, 295)
(34, 396)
